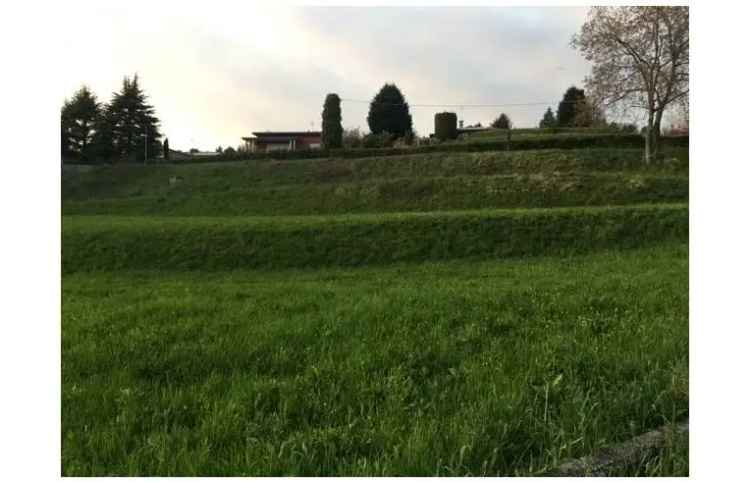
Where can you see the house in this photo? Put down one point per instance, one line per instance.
(267, 141)
(175, 155)
(471, 129)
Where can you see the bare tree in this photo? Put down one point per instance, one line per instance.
(640, 59)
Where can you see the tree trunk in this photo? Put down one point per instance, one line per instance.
(656, 134)
(649, 136)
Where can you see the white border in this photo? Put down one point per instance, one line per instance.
(720, 182)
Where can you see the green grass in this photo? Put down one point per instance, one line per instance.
(125, 181)
(426, 182)
(556, 133)
(451, 368)
(376, 315)
(218, 243)
(397, 195)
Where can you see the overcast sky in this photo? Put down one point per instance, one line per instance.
(216, 74)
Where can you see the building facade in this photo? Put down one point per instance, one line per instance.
(268, 141)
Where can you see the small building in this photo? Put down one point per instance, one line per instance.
(267, 141)
(472, 129)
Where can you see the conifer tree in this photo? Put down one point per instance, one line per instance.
(78, 124)
(572, 102)
(135, 128)
(548, 120)
(332, 130)
(103, 141)
(389, 112)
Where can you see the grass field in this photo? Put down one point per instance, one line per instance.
(443, 313)
(454, 368)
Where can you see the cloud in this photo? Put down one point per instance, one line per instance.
(215, 76)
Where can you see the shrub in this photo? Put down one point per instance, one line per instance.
(380, 140)
(381, 145)
(502, 122)
(445, 125)
(352, 138)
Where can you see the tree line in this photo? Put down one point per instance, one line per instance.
(389, 119)
(640, 58)
(126, 128)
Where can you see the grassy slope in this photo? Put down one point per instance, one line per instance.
(425, 182)
(96, 243)
(405, 194)
(452, 368)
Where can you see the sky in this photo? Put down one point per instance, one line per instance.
(216, 73)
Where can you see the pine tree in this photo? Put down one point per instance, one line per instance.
(548, 120)
(65, 126)
(332, 130)
(133, 122)
(389, 112)
(103, 141)
(502, 122)
(572, 102)
(78, 123)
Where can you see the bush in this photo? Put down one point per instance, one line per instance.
(381, 140)
(445, 125)
(502, 122)
(352, 138)
(381, 145)
(404, 141)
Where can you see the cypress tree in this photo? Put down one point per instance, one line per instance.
(389, 112)
(166, 149)
(332, 131)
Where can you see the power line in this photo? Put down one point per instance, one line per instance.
(462, 106)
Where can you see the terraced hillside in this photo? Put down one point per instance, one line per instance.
(438, 313)
(423, 182)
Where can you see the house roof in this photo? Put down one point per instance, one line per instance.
(279, 135)
(472, 129)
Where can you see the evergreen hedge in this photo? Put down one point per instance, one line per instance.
(446, 125)
(568, 142)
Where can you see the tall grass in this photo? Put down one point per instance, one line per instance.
(113, 243)
(453, 368)
(124, 181)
